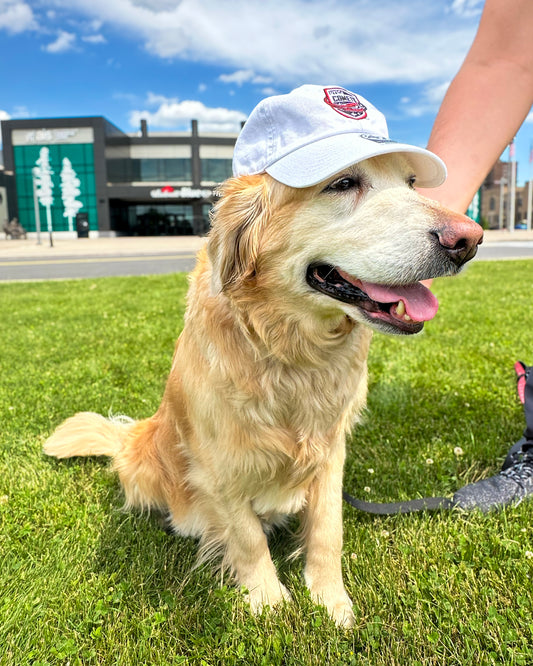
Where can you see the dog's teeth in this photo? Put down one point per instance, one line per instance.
(400, 313)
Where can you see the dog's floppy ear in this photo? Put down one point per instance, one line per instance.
(238, 220)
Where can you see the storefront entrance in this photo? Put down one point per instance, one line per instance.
(157, 219)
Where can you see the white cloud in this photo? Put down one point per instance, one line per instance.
(239, 77)
(64, 42)
(173, 113)
(21, 112)
(16, 17)
(131, 98)
(242, 76)
(467, 8)
(16, 112)
(157, 5)
(94, 39)
(428, 102)
(156, 100)
(288, 42)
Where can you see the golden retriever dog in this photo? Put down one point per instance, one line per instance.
(270, 372)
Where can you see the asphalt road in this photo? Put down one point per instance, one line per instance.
(505, 250)
(152, 263)
(93, 267)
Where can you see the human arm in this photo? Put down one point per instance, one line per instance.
(486, 102)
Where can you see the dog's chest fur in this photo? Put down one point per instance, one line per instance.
(264, 425)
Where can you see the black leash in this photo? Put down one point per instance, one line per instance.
(392, 508)
(525, 393)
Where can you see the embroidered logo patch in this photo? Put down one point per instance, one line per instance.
(345, 102)
(377, 138)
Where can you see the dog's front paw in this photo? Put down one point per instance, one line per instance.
(261, 596)
(338, 604)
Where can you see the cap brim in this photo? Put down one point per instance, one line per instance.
(315, 162)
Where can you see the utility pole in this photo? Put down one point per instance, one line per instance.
(530, 188)
(34, 175)
(512, 192)
(501, 217)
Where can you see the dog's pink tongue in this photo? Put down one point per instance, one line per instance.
(420, 303)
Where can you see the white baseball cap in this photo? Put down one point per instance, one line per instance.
(314, 132)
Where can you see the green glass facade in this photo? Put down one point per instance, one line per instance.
(81, 157)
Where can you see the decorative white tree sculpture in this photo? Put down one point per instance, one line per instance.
(70, 189)
(44, 185)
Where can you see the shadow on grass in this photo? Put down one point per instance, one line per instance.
(152, 562)
(418, 440)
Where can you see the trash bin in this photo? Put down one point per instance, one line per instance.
(82, 225)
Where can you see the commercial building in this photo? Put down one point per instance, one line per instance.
(498, 208)
(85, 174)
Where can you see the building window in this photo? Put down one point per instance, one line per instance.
(120, 171)
(158, 170)
(161, 170)
(492, 203)
(216, 170)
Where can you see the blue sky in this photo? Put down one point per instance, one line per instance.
(213, 60)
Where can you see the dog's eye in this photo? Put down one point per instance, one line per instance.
(411, 182)
(343, 184)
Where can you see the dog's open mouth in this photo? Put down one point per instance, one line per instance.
(405, 308)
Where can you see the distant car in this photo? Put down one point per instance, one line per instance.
(521, 225)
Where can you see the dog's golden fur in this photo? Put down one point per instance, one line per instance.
(269, 375)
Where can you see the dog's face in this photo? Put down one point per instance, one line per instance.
(356, 244)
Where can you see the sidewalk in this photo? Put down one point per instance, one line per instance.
(499, 236)
(150, 245)
(128, 246)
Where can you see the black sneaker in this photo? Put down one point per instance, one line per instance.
(513, 484)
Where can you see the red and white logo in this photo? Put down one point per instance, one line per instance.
(345, 102)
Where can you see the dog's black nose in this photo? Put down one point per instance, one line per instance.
(459, 239)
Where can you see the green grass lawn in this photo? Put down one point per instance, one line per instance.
(82, 582)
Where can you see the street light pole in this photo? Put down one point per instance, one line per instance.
(36, 207)
(530, 189)
(503, 182)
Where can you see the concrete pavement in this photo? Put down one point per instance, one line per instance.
(503, 235)
(120, 246)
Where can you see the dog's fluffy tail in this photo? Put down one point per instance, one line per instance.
(143, 452)
(89, 434)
